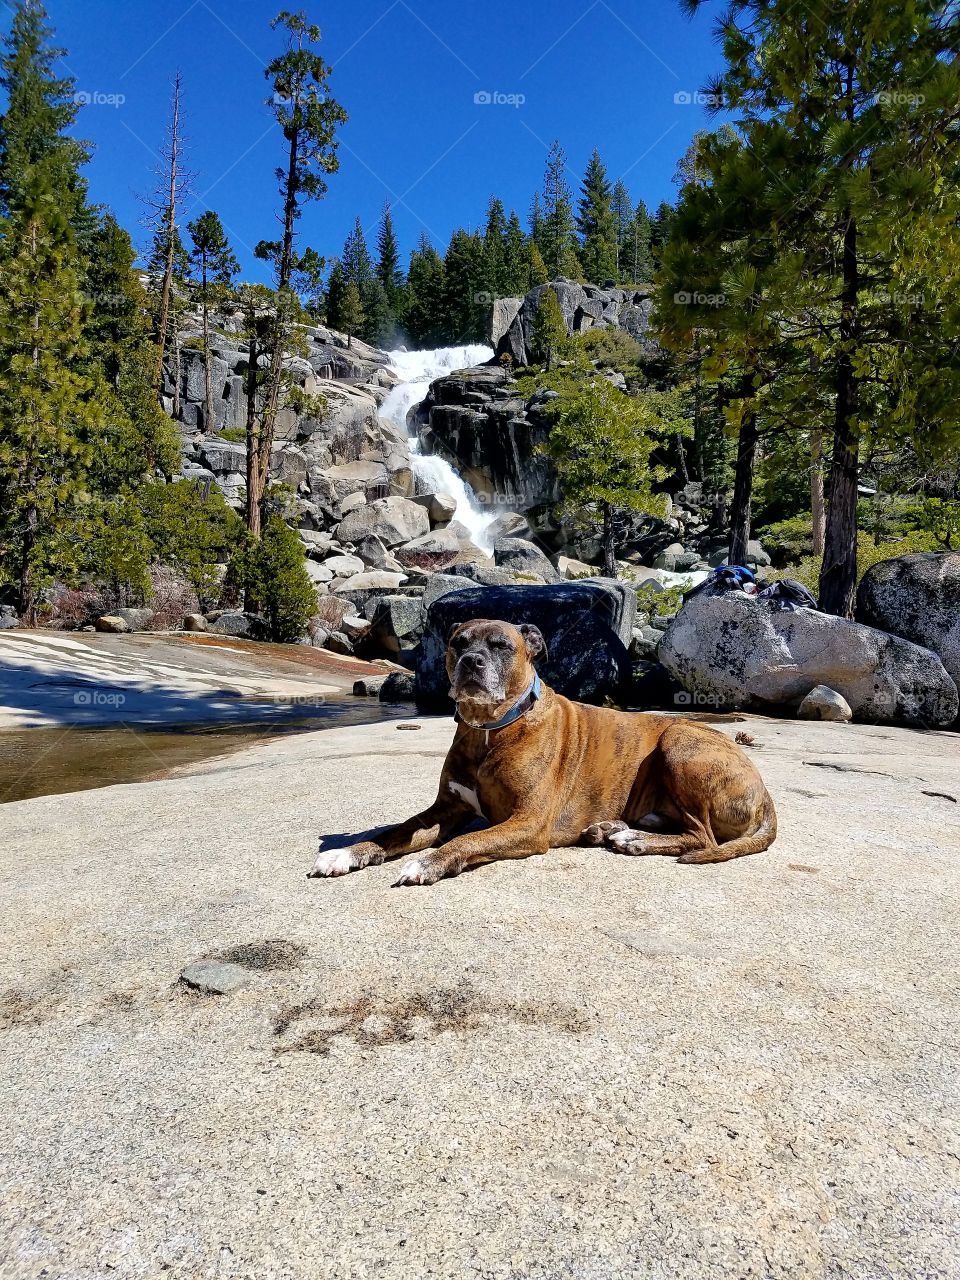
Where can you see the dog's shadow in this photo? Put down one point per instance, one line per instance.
(342, 839)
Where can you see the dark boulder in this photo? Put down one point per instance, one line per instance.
(587, 626)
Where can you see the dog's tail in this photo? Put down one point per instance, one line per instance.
(762, 837)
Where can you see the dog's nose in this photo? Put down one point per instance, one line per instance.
(475, 660)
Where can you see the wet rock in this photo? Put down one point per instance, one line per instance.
(368, 686)
(440, 507)
(399, 686)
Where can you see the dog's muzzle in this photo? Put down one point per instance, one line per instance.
(475, 678)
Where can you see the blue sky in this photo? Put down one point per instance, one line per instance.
(589, 72)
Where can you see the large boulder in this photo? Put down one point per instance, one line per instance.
(517, 555)
(587, 627)
(733, 651)
(917, 597)
(436, 550)
(393, 520)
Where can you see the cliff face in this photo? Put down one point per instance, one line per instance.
(584, 306)
(476, 421)
(315, 457)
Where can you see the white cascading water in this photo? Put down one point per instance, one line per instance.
(416, 370)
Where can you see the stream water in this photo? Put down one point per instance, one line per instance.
(44, 762)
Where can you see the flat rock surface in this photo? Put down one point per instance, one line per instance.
(580, 1065)
(50, 678)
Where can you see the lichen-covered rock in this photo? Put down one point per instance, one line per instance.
(587, 627)
(917, 597)
(734, 651)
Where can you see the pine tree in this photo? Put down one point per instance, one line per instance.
(465, 308)
(601, 443)
(622, 209)
(860, 107)
(660, 231)
(215, 261)
(356, 261)
(351, 315)
(426, 295)
(516, 258)
(308, 117)
(333, 297)
(50, 411)
(495, 250)
(536, 268)
(558, 247)
(639, 255)
(169, 259)
(118, 347)
(596, 224)
(549, 338)
(389, 274)
(41, 107)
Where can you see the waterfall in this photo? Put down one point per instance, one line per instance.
(416, 370)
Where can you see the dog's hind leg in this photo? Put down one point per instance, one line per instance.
(642, 843)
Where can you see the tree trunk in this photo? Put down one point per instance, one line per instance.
(284, 274)
(171, 217)
(253, 440)
(816, 491)
(31, 523)
(743, 488)
(209, 424)
(609, 547)
(838, 575)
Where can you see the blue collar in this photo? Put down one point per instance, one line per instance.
(518, 709)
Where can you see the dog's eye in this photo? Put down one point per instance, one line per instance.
(500, 643)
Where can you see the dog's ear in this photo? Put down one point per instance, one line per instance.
(453, 631)
(533, 639)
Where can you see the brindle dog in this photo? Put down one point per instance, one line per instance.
(547, 772)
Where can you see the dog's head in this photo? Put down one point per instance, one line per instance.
(490, 662)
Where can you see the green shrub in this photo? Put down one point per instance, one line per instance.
(658, 604)
(611, 348)
(191, 529)
(274, 582)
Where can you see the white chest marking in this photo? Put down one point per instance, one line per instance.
(468, 795)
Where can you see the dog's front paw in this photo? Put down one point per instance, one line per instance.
(600, 832)
(427, 869)
(335, 862)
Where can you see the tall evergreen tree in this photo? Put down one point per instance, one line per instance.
(465, 310)
(861, 100)
(308, 116)
(515, 258)
(596, 224)
(495, 250)
(558, 241)
(41, 107)
(639, 256)
(426, 295)
(622, 210)
(388, 271)
(660, 231)
(216, 265)
(51, 411)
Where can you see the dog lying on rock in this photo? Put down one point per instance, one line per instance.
(547, 772)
